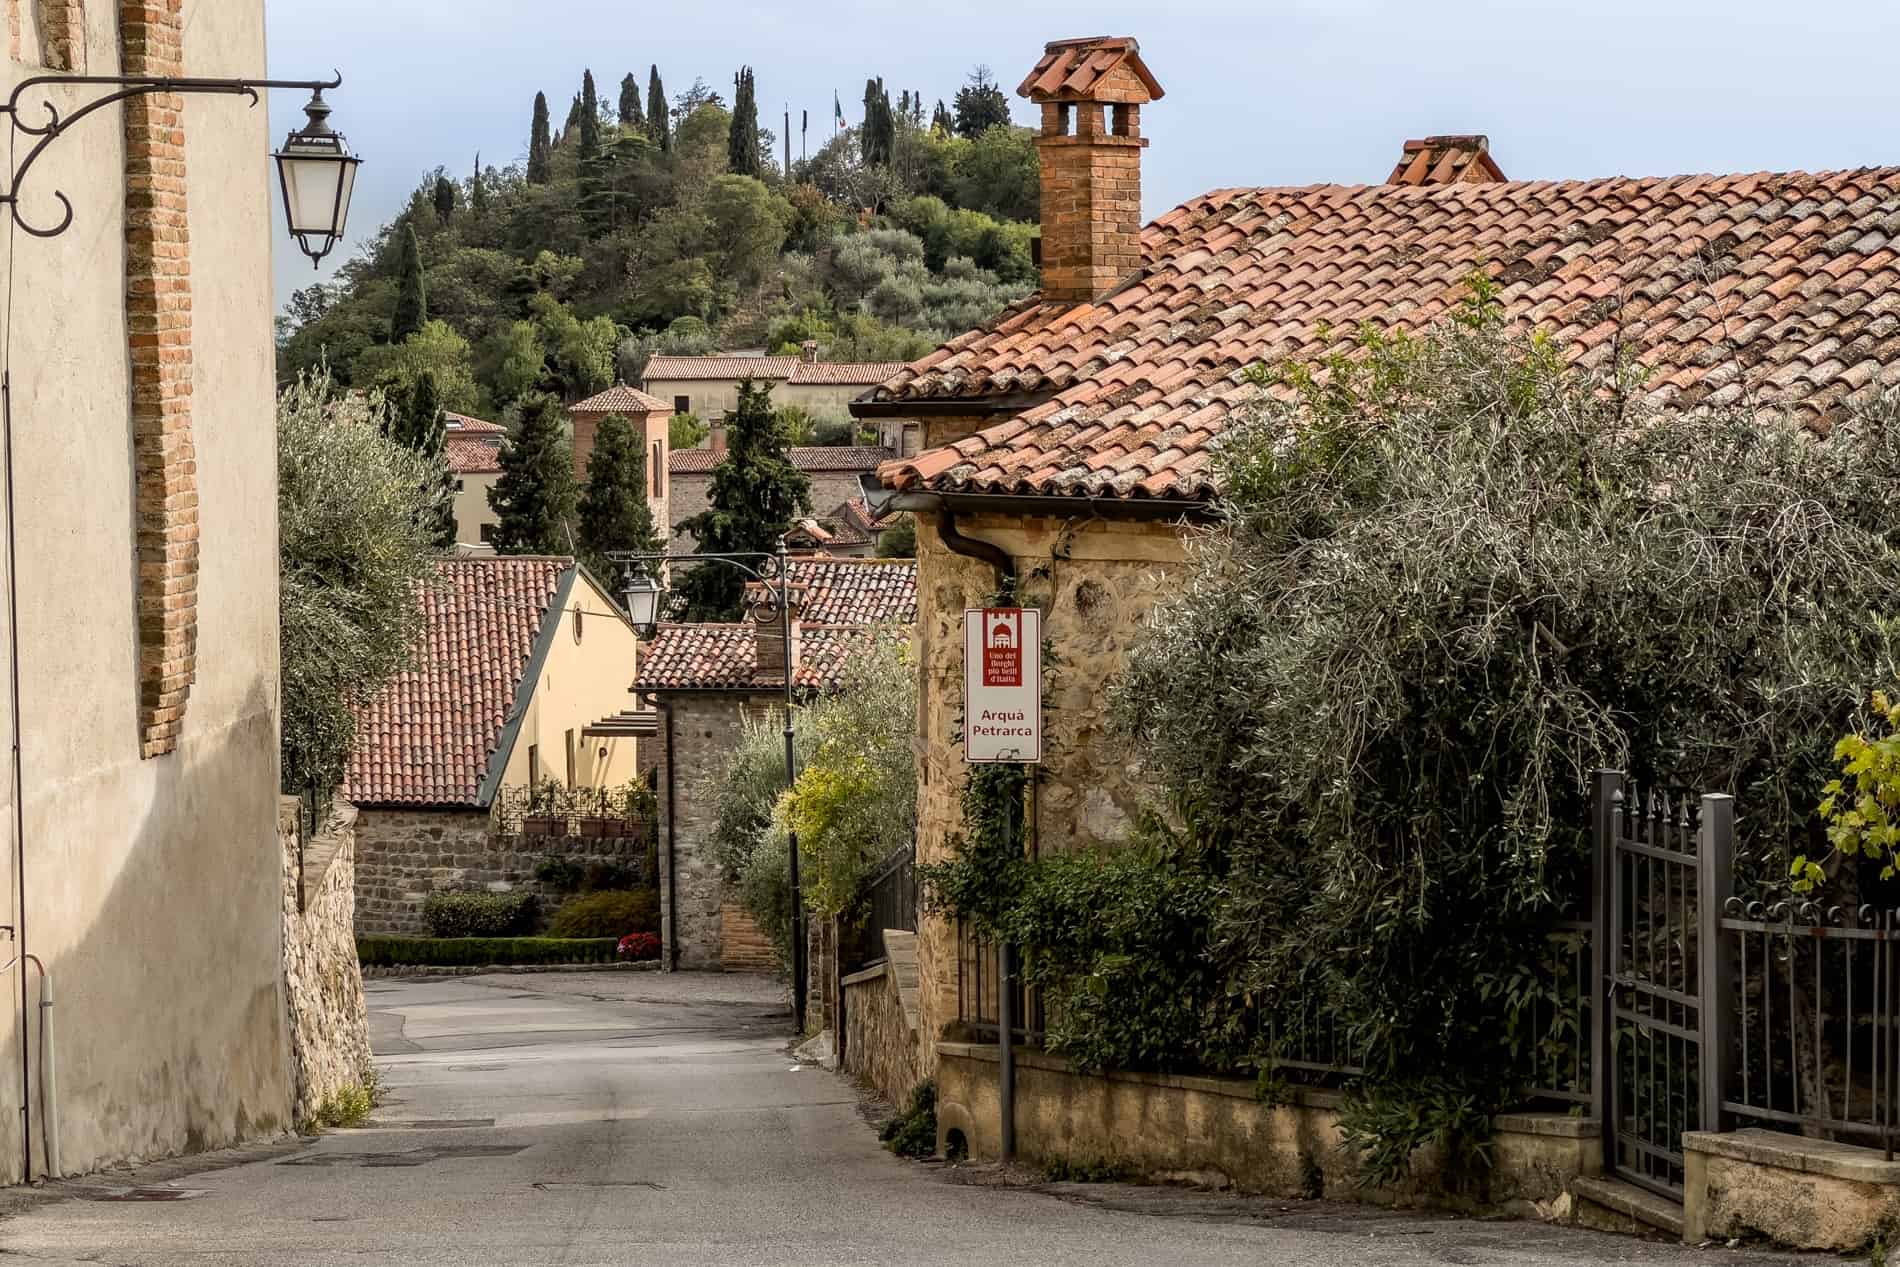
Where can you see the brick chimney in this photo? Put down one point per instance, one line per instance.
(769, 649)
(808, 351)
(716, 437)
(1446, 160)
(1091, 92)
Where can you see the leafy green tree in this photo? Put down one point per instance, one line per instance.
(685, 431)
(614, 511)
(756, 495)
(999, 174)
(354, 553)
(418, 425)
(572, 126)
(631, 116)
(412, 297)
(436, 349)
(514, 361)
(444, 198)
(659, 121)
(533, 499)
(980, 105)
(942, 122)
(745, 226)
(590, 119)
(742, 151)
(899, 538)
(540, 144)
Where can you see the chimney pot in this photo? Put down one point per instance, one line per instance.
(809, 350)
(769, 634)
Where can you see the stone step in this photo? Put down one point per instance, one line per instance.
(1624, 1207)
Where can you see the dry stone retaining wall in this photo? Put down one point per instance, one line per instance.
(323, 986)
(405, 855)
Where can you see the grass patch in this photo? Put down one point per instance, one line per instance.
(1083, 1170)
(345, 1107)
(480, 952)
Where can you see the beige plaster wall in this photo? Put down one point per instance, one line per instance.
(708, 397)
(1095, 583)
(472, 511)
(584, 679)
(152, 887)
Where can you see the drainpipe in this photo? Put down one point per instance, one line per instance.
(1000, 559)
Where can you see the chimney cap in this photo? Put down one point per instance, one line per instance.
(1094, 68)
(1463, 159)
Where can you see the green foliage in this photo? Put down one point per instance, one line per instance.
(561, 874)
(855, 801)
(354, 550)
(913, 1133)
(1862, 806)
(1386, 1124)
(533, 499)
(742, 151)
(756, 494)
(590, 119)
(614, 511)
(436, 350)
(421, 428)
(744, 786)
(444, 198)
(659, 118)
(999, 175)
(1088, 1170)
(412, 300)
(631, 116)
(457, 913)
(980, 105)
(343, 1108)
(685, 431)
(610, 914)
(899, 540)
(481, 952)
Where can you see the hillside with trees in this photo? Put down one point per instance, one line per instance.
(651, 223)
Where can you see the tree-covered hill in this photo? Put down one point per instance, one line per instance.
(646, 223)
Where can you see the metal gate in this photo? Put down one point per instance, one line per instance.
(1663, 868)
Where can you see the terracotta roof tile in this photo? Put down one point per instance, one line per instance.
(462, 424)
(840, 374)
(675, 368)
(620, 399)
(1710, 270)
(810, 458)
(426, 738)
(472, 456)
(1073, 70)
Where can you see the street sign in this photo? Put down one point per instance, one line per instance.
(1002, 684)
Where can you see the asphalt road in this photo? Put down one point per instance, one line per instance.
(557, 1120)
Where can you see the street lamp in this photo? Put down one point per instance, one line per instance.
(318, 175)
(645, 598)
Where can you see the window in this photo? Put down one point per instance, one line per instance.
(458, 484)
(682, 404)
(534, 765)
(486, 533)
(573, 759)
(659, 469)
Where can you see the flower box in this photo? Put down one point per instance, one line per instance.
(539, 825)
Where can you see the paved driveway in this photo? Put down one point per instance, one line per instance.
(634, 1119)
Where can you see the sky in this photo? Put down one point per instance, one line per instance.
(1265, 93)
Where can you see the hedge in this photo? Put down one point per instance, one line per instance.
(478, 952)
(460, 913)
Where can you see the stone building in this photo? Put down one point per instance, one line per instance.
(1068, 441)
(833, 470)
(708, 386)
(650, 418)
(707, 681)
(521, 682)
(145, 869)
(473, 448)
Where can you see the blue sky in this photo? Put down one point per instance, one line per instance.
(1274, 92)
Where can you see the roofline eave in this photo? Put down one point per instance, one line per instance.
(1047, 504)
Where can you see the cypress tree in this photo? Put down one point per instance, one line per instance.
(659, 125)
(756, 493)
(534, 496)
(422, 428)
(412, 299)
(614, 511)
(942, 122)
(478, 189)
(877, 139)
(631, 116)
(742, 141)
(444, 198)
(573, 118)
(590, 119)
(540, 145)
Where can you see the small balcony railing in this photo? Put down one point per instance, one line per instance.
(629, 810)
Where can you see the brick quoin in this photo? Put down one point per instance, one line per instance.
(158, 324)
(63, 34)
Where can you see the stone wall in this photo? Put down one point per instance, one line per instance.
(1216, 1131)
(323, 985)
(880, 1021)
(704, 727)
(405, 855)
(742, 947)
(1805, 1193)
(1095, 584)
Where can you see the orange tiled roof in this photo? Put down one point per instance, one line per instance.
(666, 369)
(857, 512)
(462, 424)
(1785, 287)
(468, 455)
(427, 737)
(620, 399)
(857, 591)
(810, 458)
(724, 657)
(841, 374)
(1072, 70)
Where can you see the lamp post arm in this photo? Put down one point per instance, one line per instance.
(125, 87)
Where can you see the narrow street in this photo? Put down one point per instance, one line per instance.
(624, 1119)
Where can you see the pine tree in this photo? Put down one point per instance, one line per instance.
(444, 198)
(756, 494)
(980, 105)
(478, 188)
(573, 119)
(942, 122)
(419, 425)
(540, 145)
(534, 496)
(590, 119)
(631, 115)
(659, 125)
(742, 143)
(412, 299)
(614, 511)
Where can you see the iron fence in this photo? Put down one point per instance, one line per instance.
(979, 993)
(891, 901)
(553, 810)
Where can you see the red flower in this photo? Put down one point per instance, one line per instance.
(638, 946)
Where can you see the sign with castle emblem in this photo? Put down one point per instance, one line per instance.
(1002, 684)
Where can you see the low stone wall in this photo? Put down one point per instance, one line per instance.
(1214, 1131)
(323, 986)
(880, 1021)
(1804, 1193)
(405, 855)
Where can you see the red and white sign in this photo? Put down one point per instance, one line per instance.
(1002, 684)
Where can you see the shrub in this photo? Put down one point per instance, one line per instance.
(468, 914)
(609, 915)
(913, 1133)
(640, 946)
(560, 874)
(480, 952)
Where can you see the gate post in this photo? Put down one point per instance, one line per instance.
(1606, 784)
(1715, 884)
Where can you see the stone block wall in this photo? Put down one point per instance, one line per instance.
(742, 947)
(704, 729)
(405, 855)
(880, 1021)
(323, 985)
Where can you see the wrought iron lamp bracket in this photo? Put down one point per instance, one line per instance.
(122, 88)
